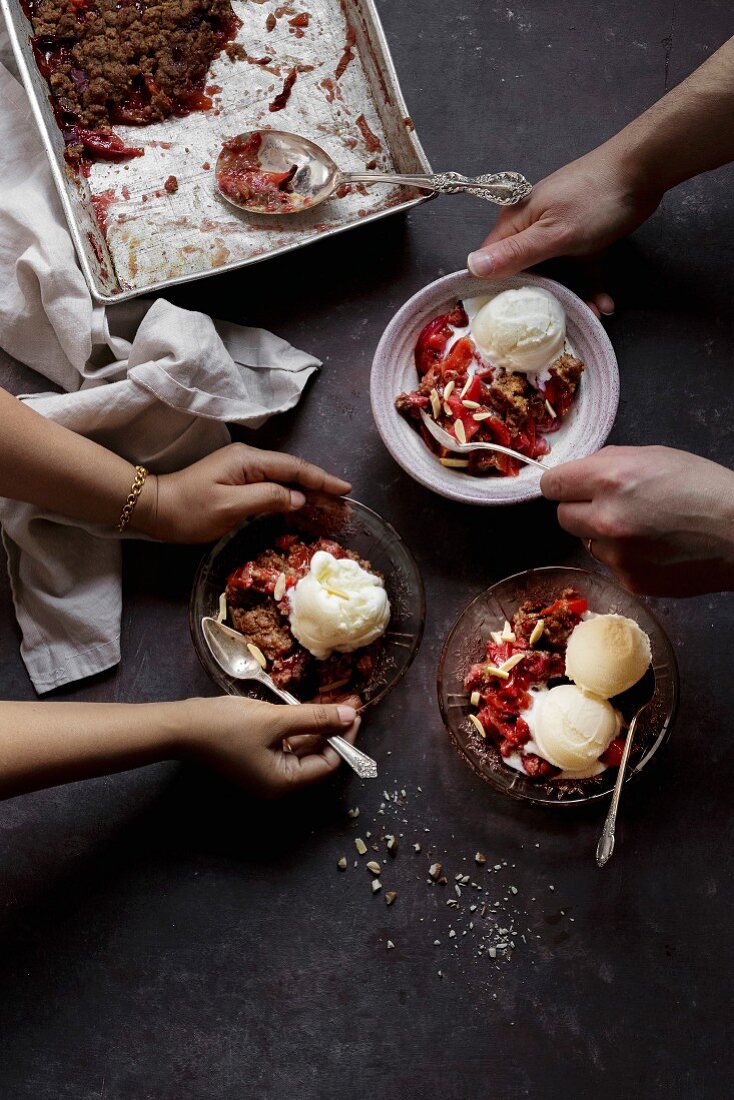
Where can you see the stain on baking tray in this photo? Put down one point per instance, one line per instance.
(111, 63)
(348, 54)
(284, 95)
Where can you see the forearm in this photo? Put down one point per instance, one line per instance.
(689, 131)
(44, 744)
(45, 464)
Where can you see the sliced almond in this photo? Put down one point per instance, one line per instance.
(376, 885)
(448, 389)
(483, 415)
(390, 945)
(467, 386)
(447, 409)
(496, 637)
(392, 845)
(257, 654)
(500, 673)
(475, 698)
(510, 663)
(360, 845)
(353, 812)
(460, 431)
(435, 404)
(508, 634)
(434, 871)
(477, 725)
(480, 859)
(454, 463)
(471, 404)
(390, 896)
(551, 411)
(279, 590)
(537, 633)
(222, 613)
(342, 863)
(373, 866)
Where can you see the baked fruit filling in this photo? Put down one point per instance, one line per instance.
(513, 698)
(124, 62)
(476, 400)
(262, 605)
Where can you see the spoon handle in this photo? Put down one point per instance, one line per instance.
(605, 847)
(358, 761)
(502, 188)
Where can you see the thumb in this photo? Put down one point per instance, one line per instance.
(313, 718)
(266, 497)
(513, 254)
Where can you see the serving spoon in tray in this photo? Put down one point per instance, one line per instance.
(275, 172)
(229, 650)
(449, 443)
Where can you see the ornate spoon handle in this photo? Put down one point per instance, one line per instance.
(605, 847)
(503, 188)
(358, 761)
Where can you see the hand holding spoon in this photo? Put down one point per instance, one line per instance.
(229, 650)
(274, 172)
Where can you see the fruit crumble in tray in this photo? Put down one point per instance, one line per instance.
(312, 614)
(465, 391)
(136, 98)
(124, 62)
(530, 708)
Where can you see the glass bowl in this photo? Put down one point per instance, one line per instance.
(357, 528)
(465, 646)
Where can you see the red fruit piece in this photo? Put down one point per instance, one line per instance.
(613, 756)
(466, 416)
(474, 391)
(535, 766)
(460, 357)
(432, 341)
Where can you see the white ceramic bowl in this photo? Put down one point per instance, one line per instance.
(585, 428)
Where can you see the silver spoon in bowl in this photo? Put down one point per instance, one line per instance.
(450, 444)
(639, 697)
(229, 650)
(274, 172)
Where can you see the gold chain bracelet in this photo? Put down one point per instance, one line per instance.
(132, 498)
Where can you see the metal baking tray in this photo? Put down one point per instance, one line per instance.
(132, 237)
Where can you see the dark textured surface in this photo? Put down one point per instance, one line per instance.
(161, 937)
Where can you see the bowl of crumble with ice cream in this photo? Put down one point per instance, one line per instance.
(521, 362)
(328, 599)
(540, 676)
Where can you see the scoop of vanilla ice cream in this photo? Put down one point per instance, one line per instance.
(572, 728)
(521, 330)
(607, 654)
(338, 606)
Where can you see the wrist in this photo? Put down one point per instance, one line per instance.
(144, 519)
(626, 160)
(182, 727)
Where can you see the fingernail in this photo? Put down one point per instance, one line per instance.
(480, 264)
(607, 313)
(297, 499)
(346, 715)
